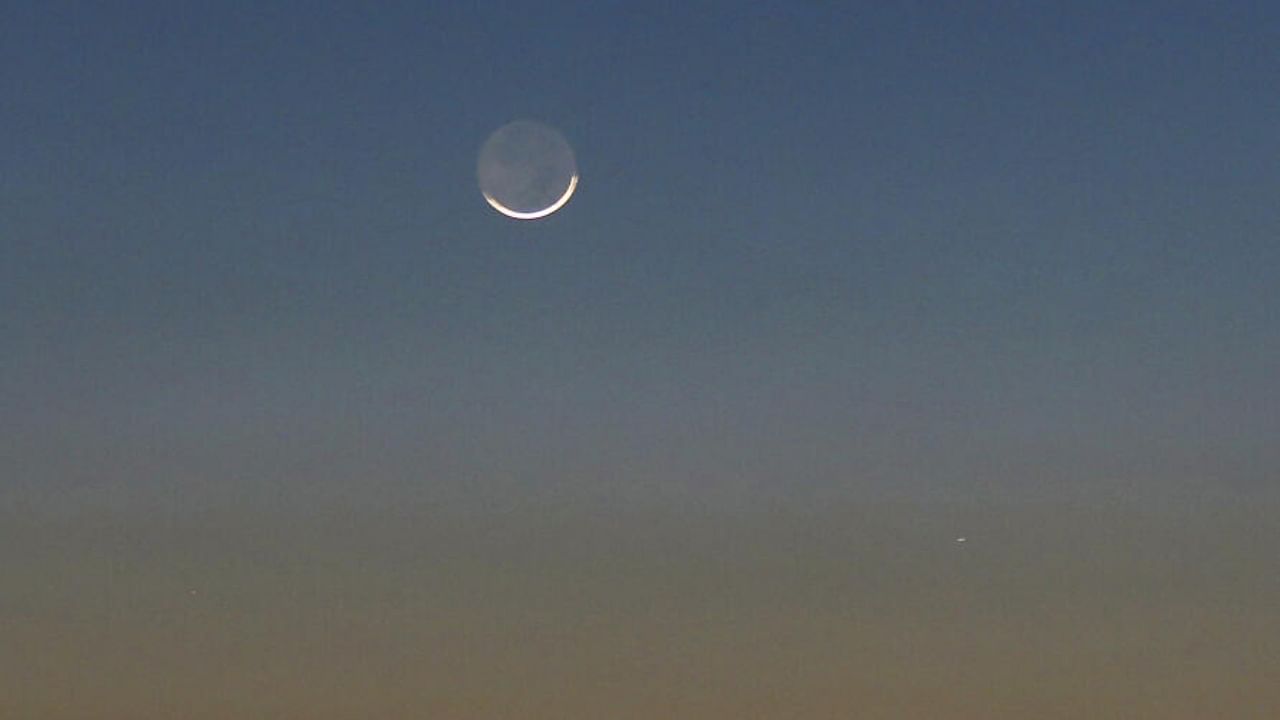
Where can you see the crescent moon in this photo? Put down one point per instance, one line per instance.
(568, 193)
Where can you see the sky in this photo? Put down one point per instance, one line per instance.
(839, 285)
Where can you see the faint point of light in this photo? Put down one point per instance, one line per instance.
(573, 183)
(962, 539)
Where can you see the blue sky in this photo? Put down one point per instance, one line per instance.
(925, 248)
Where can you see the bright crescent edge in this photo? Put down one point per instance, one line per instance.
(573, 184)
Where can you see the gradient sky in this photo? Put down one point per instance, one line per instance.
(932, 260)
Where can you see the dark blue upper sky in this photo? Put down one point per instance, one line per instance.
(1006, 249)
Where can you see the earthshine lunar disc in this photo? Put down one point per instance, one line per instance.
(526, 170)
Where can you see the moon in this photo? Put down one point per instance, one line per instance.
(526, 170)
